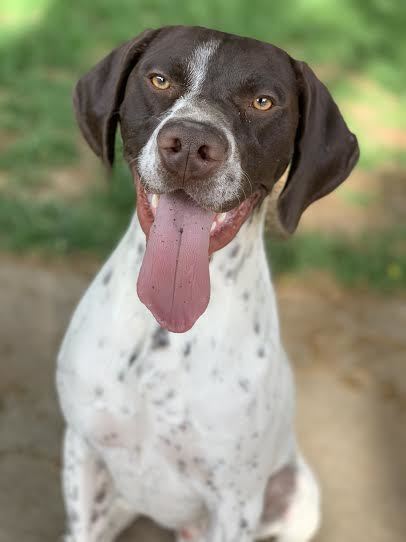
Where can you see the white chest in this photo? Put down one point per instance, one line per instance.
(179, 411)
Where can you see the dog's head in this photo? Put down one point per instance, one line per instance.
(209, 122)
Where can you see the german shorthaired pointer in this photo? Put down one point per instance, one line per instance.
(179, 401)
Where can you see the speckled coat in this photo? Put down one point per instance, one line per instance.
(194, 430)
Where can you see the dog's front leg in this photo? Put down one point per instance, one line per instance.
(94, 510)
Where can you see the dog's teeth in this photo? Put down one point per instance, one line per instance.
(213, 227)
(221, 218)
(154, 201)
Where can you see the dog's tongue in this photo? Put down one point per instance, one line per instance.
(174, 281)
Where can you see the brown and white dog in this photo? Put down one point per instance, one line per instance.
(194, 428)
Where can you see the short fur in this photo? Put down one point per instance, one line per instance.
(195, 430)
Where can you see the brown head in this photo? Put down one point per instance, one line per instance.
(210, 121)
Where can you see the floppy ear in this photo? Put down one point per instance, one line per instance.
(99, 93)
(325, 150)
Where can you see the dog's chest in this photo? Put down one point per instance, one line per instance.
(172, 391)
(175, 414)
(174, 424)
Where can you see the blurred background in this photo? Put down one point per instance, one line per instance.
(341, 280)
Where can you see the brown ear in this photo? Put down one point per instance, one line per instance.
(99, 93)
(325, 150)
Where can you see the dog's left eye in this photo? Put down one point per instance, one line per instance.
(160, 82)
(262, 103)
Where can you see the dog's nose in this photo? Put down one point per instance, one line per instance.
(190, 149)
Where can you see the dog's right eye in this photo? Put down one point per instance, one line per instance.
(160, 82)
(262, 103)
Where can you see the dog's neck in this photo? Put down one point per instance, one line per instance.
(239, 274)
(242, 295)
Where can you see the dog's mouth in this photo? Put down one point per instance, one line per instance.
(174, 280)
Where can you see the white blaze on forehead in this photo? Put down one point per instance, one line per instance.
(198, 63)
(190, 106)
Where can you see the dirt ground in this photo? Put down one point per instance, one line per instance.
(349, 353)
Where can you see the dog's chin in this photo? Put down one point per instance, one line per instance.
(225, 224)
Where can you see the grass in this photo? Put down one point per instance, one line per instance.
(46, 44)
(96, 224)
(93, 224)
(377, 261)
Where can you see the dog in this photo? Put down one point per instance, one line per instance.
(175, 387)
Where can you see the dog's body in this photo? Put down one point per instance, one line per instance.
(194, 430)
(187, 424)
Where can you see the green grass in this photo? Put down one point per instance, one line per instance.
(93, 224)
(46, 44)
(365, 35)
(375, 260)
(96, 224)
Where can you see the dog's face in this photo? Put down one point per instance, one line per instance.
(209, 122)
(215, 115)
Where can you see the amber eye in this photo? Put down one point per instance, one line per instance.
(160, 82)
(263, 103)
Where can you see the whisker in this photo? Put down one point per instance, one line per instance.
(246, 176)
(132, 160)
(243, 191)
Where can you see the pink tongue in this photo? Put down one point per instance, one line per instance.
(174, 281)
